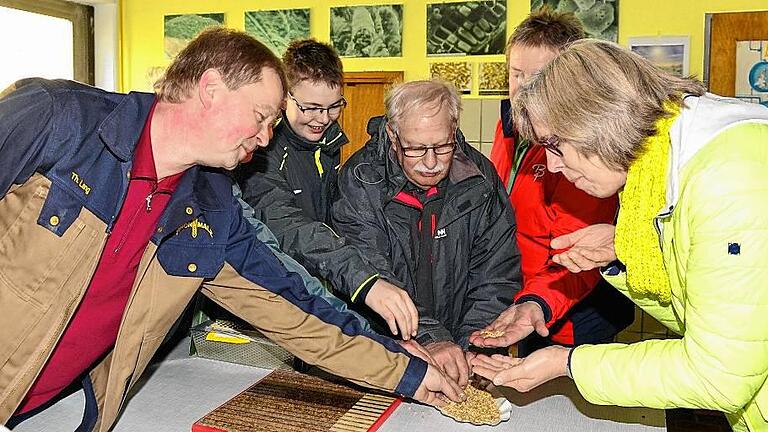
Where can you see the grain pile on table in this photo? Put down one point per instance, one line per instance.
(479, 408)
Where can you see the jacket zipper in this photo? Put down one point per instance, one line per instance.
(657, 226)
(124, 238)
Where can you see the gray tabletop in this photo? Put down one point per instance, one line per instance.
(176, 392)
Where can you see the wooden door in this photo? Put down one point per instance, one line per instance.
(364, 92)
(726, 30)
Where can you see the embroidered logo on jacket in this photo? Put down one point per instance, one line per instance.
(80, 183)
(194, 225)
(538, 171)
(440, 233)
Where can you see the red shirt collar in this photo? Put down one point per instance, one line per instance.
(144, 161)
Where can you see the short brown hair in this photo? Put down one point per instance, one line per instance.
(318, 62)
(602, 98)
(237, 56)
(547, 28)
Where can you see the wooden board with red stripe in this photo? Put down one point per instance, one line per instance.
(286, 401)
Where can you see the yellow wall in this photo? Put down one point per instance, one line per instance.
(141, 28)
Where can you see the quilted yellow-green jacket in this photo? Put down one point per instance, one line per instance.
(714, 237)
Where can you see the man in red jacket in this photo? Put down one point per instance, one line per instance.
(561, 307)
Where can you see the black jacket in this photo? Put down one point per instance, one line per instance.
(476, 263)
(284, 185)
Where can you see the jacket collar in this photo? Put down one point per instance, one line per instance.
(330, 143)
(118, 131)
(506, 119)
(202, 190)
(701, 120)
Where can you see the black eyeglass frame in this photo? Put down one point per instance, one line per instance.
(551, 144)
(440, 150)
(318, 111)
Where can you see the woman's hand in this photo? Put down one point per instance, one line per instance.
(523, 374)
(585, 249)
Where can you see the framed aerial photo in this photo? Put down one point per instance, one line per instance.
(178, 30)
(599, 17)
(493, 79)
(457, 73)
(368, 31)
(467, 28)
(277, 28)
(670, 53)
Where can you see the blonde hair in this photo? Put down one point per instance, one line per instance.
(601, 98)
(419, 96)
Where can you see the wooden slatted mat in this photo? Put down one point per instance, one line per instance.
(286, 401)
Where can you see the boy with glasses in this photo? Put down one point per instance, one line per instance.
(291, 185)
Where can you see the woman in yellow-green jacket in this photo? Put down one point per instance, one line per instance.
(690, 244)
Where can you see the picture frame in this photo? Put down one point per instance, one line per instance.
(670, 53)
(277, 28)
(367, 31)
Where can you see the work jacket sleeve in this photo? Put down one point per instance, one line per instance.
(716, 250)
(313, 244)
(494, 273)
(313, 285)
(254, 285)
(26, 131)
(553, 286)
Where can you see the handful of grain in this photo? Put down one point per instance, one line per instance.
(492, 333)
(480, 408)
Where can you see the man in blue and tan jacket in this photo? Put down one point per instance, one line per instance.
(115, 210)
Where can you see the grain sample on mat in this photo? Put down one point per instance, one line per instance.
(480, 408)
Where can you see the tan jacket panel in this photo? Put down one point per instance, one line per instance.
(40, 286)
(306, 336)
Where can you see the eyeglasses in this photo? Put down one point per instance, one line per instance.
(420, 151)
(333, 110)
(551, 144)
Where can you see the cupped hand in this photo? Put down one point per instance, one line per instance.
(517, 322)
(526, 373)
(585, 249)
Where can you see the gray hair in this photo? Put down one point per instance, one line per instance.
(601, 98)
(406, 99)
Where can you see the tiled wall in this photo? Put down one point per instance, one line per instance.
(478, 122)
(644, 327)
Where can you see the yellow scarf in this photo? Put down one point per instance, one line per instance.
(644, 194)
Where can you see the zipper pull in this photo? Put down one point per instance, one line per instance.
(149, 201)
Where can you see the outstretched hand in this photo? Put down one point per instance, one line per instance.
(395, 306)
(523, 374)
(588, 248)
(436, 387)
(517, 322)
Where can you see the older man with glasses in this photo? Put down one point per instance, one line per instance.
(431, 214)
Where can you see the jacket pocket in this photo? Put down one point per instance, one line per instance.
(37, 268)
(36, 261)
